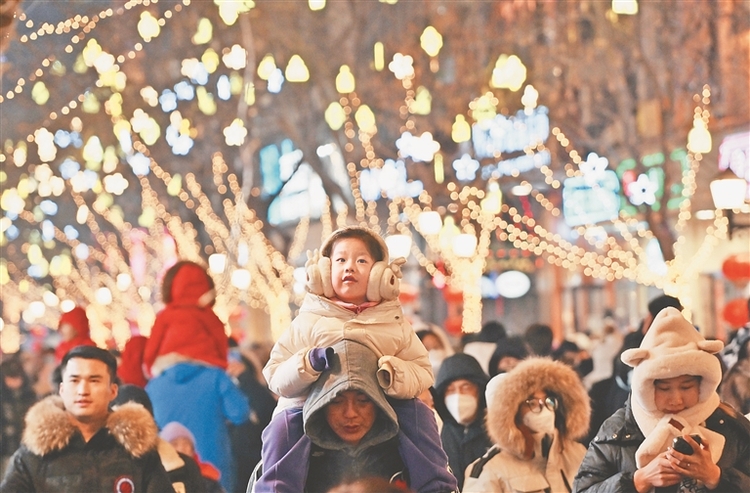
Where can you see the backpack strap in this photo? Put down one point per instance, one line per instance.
(476, 468)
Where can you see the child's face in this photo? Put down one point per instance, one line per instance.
(351, 263)
(68, 332)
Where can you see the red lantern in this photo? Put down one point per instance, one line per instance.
(408, 294)
(452, 324)
(737, 267)
(735, 312)
(453, 295)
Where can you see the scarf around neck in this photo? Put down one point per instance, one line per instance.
(660, 429)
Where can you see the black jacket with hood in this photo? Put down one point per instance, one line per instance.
(120, 457)
(463, 444)
(609, 464)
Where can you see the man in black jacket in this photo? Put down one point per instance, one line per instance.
(74, 443)
(460, 402)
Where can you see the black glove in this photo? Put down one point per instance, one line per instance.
(321, 358)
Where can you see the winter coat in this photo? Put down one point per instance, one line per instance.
(735, 390)
(54, 456)
(609, 463)
(130, 369)
(404, 366)
(462, 444)
(504, 467)
(203, 399)
(187, 326)
(499, 471)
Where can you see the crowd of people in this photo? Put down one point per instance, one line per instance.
(353, 398)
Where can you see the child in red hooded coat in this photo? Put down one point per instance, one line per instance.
(74, 329)
(187, 329)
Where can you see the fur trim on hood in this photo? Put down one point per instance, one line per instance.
(48, 427)
(572, 415)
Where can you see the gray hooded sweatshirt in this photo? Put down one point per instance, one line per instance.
(332, 460)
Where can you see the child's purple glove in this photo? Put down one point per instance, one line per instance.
(321, 358)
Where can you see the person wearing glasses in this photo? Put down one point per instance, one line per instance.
(535, 414)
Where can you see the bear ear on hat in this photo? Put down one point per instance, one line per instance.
(711, 346)
(633, 356)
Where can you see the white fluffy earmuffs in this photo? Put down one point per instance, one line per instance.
(383, 284)
(384, 280)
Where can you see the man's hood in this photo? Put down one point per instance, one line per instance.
(48, 427)
(456, 367)
(354, 367)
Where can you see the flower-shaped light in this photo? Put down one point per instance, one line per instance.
(466, 168)
(642, 191)
(234, 134)
(235, 58)
(115, 184)
(402, 66)
(593, 168)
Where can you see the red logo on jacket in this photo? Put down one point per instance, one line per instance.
(124, 484)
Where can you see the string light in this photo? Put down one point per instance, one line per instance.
(269, 278)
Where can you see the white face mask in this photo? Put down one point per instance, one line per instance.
(436, 359)
(541, 422)
(462, 407)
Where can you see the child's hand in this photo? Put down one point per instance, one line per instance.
(321, 358)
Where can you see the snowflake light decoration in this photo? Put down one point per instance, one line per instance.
(235, 134)
(401, 66)
(422, 148)
(466, 168)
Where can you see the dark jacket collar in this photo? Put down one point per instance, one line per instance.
(621, 426)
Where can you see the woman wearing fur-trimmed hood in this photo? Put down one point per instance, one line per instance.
(535, 413)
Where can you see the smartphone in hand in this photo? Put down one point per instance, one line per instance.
(682, 446)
